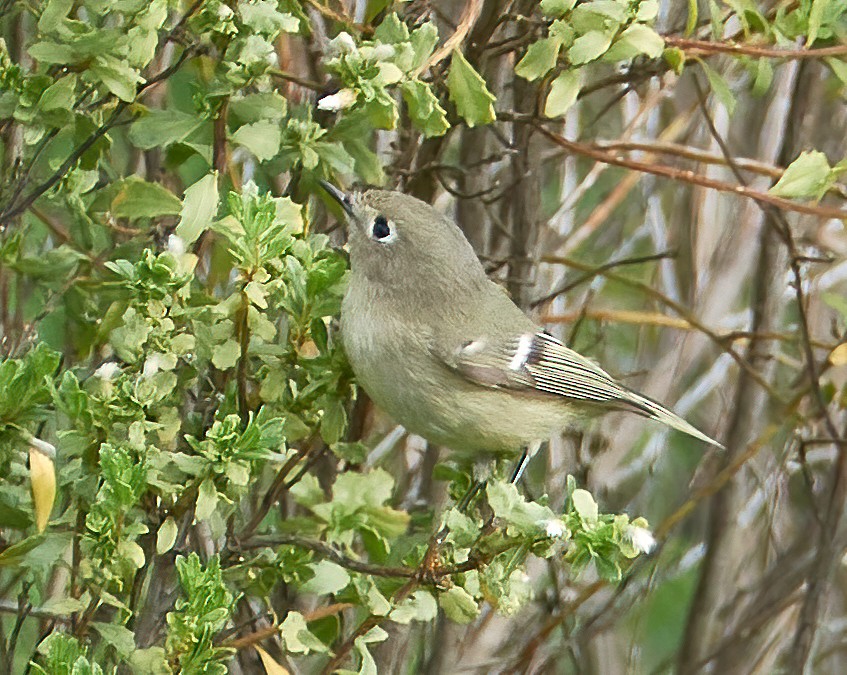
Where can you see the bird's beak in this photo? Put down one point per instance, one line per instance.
(342, 199)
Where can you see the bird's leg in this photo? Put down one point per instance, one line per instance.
(523, 462)
(520, 467)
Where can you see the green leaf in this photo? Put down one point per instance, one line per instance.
(329, 578)
(161, 128)
(354, 490)
(540, 58)
(556, 7)
(648, 10)
(463, 530)
(59, 95)
(263, 17)
(334, 421)
(290, 213)
(136, 198)
(763, 78)
(54, 14)
(372, 597)
(458, 605)
(585, 505)
(120, 637)
(226, 355)
(297, 637)
(468, 92)
(423, 42)
(52, 52)
(117, 76)
(563, 93)
(807, 176)
(199, 207)
(424, 109)
(635, 40)
(14, 554)
(307, 492)
(166, 536)
(691, 21)
(263, 139)
(207, 500)
(269, 106)
(839, 69)
(420, 607)
(368, 664)
(816, 16)
(525, 517)
(150, 661)
(392, 30)
(589, 47)
(719, 87)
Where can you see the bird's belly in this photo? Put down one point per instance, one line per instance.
(430, 400)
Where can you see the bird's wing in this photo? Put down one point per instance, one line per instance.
(535, 362)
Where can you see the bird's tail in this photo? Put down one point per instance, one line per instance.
(654, 411)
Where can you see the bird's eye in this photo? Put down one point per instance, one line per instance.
(381, 229)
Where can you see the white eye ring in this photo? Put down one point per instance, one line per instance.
(382, 230)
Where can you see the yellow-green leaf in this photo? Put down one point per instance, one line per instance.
(469, 93)
(563, 93)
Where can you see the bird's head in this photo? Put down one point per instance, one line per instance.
(397, 240)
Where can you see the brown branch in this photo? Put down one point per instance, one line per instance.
(640, 318)
(243, 330)
(685, 176)
(295, 79)
(469, 17)
(273, 494)
(337, 16)
(687, 152)
(706, 47)
(331, 553)
(591, 274)
(269, 631)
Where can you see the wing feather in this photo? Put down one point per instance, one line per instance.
(539, 363)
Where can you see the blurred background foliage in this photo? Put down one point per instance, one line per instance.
(191, 481)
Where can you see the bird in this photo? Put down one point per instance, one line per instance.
(445, 351)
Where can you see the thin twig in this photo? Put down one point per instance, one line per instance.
(690, 177)
(706, 47)
(331, 553)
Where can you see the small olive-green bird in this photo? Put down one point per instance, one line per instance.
(445, 351)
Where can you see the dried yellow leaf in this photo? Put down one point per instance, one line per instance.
(271, 666)
(838, 356)
(42, 477)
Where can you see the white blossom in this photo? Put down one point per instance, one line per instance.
(107, 371)
(641, 538)
(176, 245)
(555, 528)
(338, 101)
